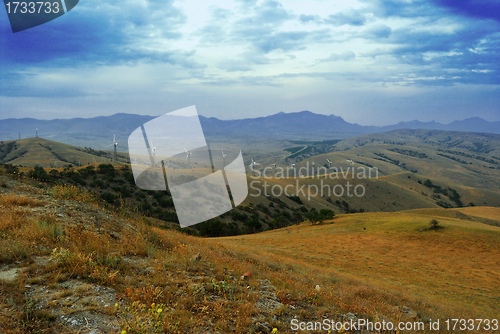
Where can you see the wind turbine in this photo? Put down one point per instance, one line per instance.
(223, 159)
(55, 164)
(153, 153)
(350, 162)
(188, 157)
(115, 144)
(252, 164)
(36, 132)
(275, 164)
(313, 168)
(329, 163)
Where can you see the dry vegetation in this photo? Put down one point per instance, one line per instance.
(367, 264)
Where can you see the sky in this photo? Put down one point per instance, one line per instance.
(372, 62)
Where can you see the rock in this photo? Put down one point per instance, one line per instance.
(408, 312)
(246, 276)
(9, 275)
(288, 301)
(268, 301)
(196, 257)
(261, 327)
(317, 288)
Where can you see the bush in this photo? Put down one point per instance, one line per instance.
(39, 173)
(434, 224)
(296, 199)
(107, 169)
(109, 197)
(97, 184)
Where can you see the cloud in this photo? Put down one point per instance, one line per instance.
(481, 9)
(377, 31)
(343, 56)
(353, 18)
(100, 32)
(234, 65)
(269, 13)
(309, 18)
(399, 8)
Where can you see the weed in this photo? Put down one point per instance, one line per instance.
(139, 318)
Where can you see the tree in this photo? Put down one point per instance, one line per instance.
(434, 224)
(327, 214)
(314, 217)
(297, 217)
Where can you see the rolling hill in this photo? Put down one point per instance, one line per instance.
(46, 153)
(415, 169)
(70, 263)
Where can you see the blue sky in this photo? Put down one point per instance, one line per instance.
(372, 62)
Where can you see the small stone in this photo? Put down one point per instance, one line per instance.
(262, 327)
(246, 276)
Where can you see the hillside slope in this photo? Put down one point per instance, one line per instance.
(66, 261)
(38, 151)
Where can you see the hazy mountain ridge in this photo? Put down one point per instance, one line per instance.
(97, 132)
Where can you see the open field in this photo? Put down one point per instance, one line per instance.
(456, 267)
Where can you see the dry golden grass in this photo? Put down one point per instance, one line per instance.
(71, 192)
(481, 211)
(12, 200)
(364, 263)
(457, 267)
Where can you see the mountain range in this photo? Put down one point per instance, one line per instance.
(98, 132)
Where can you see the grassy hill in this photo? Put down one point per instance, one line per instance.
(455, 267)
(67, 260)
(46, 153)
(406, 161)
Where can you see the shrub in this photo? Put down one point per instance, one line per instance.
(97, 184)
(434, 224)
(107, 169)
(296, 199)
(109, 197)
(39, 173)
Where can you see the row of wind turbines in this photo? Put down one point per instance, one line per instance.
(189, 153)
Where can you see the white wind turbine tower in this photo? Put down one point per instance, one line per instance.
(153, 153)
(253, 164)
(350, 162)
(115, 144)
(293, 168)
(329, 163)
(275, 164)
(36, 133)
(223, 159)
(313, 168)
(188, 157)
